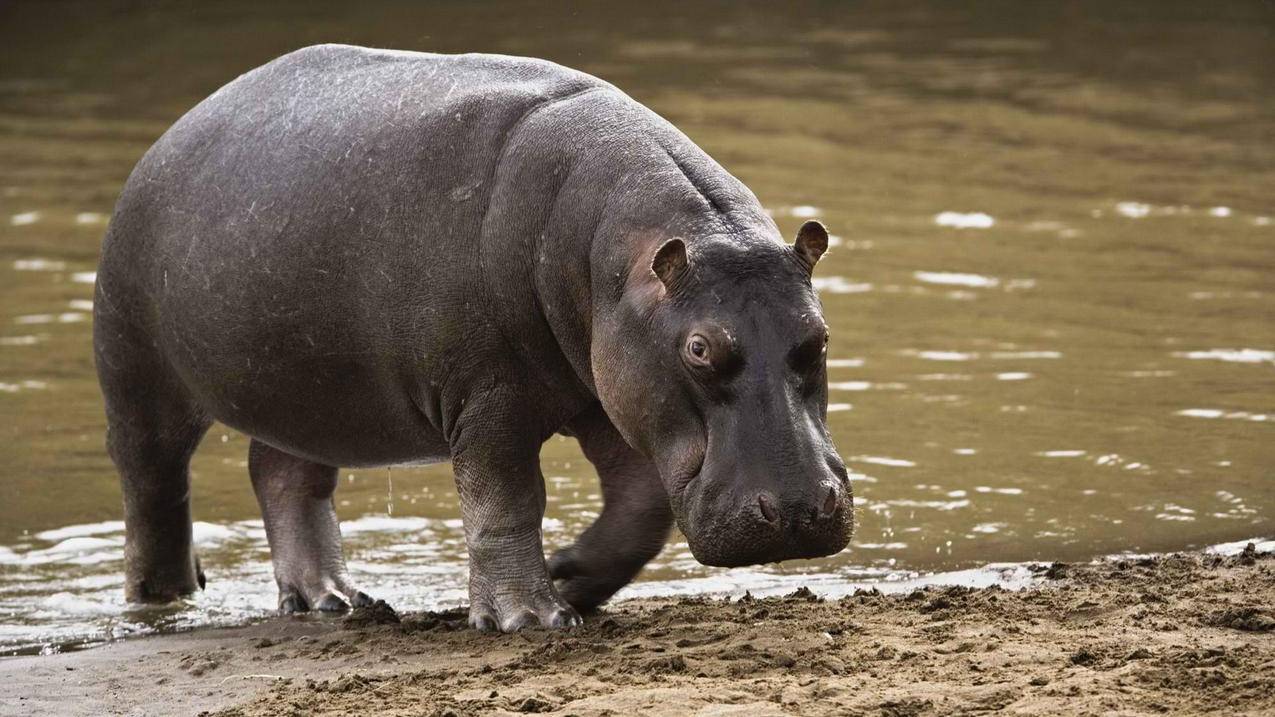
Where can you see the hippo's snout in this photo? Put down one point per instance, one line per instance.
(770, 525)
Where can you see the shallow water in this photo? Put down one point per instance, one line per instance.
(1051, 296)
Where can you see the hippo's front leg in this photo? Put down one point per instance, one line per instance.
(634, 523)
(502, 499)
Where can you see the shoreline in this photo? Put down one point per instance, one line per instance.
(1181, 633)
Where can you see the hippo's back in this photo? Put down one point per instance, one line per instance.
(370, 129)
(309, 232)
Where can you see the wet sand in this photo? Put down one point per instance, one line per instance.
(1185, 633)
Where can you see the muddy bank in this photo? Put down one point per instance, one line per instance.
(1179, 634)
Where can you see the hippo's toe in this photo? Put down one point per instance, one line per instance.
(291, 604)
(513, 614)
(328, 600)
(332, 603)
(482, 620)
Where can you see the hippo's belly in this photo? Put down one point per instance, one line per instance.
(336, 409)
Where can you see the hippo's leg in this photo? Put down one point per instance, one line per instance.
(305, 539)
(632, 528)
(502, 499)
(152, 431)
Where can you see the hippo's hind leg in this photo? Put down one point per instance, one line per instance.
(301, 524)
(152, 430)
(632, 528)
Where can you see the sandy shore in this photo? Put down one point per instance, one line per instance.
(1180, 634)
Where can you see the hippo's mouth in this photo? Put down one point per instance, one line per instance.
(685, 473)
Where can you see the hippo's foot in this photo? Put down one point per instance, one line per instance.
(155, 584)
(585, 583)
(334, 594)
(510, 610)
(305, 537)
(632, 528)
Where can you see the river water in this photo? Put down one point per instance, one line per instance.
(1051, 291)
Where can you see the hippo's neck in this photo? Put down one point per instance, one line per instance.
(619, 204)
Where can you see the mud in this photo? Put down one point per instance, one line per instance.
(1181, 634)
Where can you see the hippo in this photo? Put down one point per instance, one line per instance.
(361, 257)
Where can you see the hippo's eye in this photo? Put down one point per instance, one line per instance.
(808, 356)
(697, 349)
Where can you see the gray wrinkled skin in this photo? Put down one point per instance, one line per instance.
(362, 258)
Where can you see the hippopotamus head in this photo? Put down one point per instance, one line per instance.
(714, 365)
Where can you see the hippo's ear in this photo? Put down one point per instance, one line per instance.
(670, 262)
(811, 243)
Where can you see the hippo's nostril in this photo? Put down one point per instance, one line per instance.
(829, 503)
(767, 505)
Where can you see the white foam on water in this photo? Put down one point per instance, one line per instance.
(804, 211)
(964, 220)
(81, 304)
(1235, 548)
(839, 285)
(1026, 354)
(946, 356)
(946, 278)
(884, 461)
(1201, 412)
(206, 534)
(1133, 210)
(1229, 355)
(79, 531)
(72, 551)
(1220, 212)
(965, 451)
(66, 603)
(384, 523)
(1013, 376)
(1220, 413)
(865, 386)
(845, 363)
(19, 340)
(84, 218)
(39, 264)
(834, 407)
(27, 385)
(1066, 453)
(942, 505)
(998, 491)
(81, 544)
(84, 277)
(25, 218)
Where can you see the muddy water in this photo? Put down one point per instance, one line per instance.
(1051, 294)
